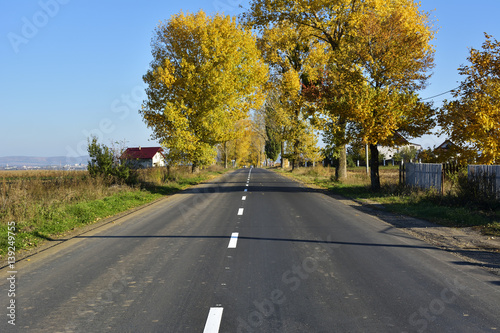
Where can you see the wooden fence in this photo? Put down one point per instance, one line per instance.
(427, 175)
(487, 177)
(423, 175)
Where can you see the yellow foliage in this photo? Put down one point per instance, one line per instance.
(371, 79)
(291, 84)
(247, 148)
(473, 120)
(206, 74)
(362, 52)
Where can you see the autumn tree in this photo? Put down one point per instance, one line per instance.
(277, 121)
(394, 51)
(308, 146)
(247, 148)
(324, 21)
(285, 48)
(472, 120)
(382, 48)
(272, 145)
(370, 86)
(206, 75)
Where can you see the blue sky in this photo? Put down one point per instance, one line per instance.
(73, 68)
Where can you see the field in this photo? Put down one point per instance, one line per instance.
(46, 204)
(450, 209)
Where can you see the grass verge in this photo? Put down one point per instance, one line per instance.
(446, 210)
(45, 206)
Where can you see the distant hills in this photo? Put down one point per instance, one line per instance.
(32, 161)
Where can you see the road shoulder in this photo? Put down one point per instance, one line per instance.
(467, 243)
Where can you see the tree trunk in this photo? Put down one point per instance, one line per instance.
(336, 164)
(225, 155)
(295, 161)
(367, 160)
(374, 174)
(342, 165)
(195, 168)
(282, 150)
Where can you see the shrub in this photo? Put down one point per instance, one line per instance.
(478, 190)
(104, 161)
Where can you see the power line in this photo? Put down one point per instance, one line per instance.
(451, 90)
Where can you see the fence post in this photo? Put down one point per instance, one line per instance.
(443, 171)
(404, 172)
(400, 173)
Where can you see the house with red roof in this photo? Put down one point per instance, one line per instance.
(144, 157)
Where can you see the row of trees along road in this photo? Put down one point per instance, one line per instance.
(356, 65)
(351, 68)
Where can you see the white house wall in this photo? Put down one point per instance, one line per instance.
(389, 152)
(158, 160)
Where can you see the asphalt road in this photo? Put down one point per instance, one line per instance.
(251, 251)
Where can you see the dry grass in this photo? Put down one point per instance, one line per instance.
(26, 194)
(389, 176)
(46, 204)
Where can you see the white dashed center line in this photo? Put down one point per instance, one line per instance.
(233, 240)
(215, 314)
(213, 321)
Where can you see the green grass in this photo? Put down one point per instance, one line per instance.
(55, 223)
(445, 210)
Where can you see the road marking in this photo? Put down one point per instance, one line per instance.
(233, 240)
(247, 185)
(213, 321)
(240, 211)
(244, 197)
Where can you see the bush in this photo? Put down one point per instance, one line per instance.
(478, 190)
(105, 162)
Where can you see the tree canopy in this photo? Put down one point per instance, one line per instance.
(206, 75)
(472, 120)
(367, 60)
